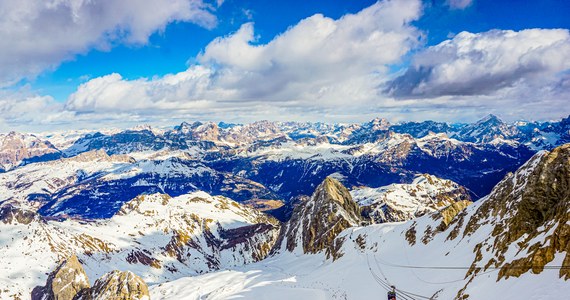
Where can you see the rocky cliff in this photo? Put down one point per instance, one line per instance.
(17, 148)
(316, 222)
(64, 283)
(529, 209)
(118, 285)
(69, 282)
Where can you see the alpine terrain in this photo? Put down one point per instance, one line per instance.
(281, 210)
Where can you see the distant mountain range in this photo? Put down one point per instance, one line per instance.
(75, 173)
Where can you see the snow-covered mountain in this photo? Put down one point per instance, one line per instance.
(95, 185)
(158, 237)
(154, 201)
(316, 223)
(17, 148)
(486, 130)
(262, 162)
(512, 244)
(402, 202)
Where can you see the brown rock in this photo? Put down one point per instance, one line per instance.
(13, 214)
(529, 208)
(65, 282)
(117, 285)
(316, 223)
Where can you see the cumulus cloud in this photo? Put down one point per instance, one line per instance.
(319, 62)
(458, 4)
(112, 93)
(488, 63)
(38, 35)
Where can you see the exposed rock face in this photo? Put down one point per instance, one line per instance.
(13, 214)
(316, 223)
(100, 156)
(200, 131)
(65, 282)
(16, 148)
(529, 212)
(453, 210)
(117, 285)
(69, 282)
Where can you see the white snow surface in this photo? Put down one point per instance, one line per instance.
(426, 193)
(29, 252)
(386, 255)
(52, 176)
(435, 266)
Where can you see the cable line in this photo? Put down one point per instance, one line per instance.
(467, 268)
(386, 286)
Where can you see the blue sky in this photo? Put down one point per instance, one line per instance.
(147, 51)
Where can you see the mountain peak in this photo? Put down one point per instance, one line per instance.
(117, 285)
(316, 223)
(334, 190)
(486, 130)
(65, 282)
(379, 124)
(490, 118)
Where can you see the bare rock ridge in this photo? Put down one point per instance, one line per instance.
(117, 285)
(69, 282)
(316, 223)
(449, 213)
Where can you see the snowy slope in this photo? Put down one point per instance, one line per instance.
(353, 276)
(157, 237)
(469, 258)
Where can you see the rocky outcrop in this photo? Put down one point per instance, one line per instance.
(200, 131)
(16, 148)
(117, 285)
(69, 282)
(13, 214)
(529, 212)
(100, 156)
(316, 223)
(448, 213)
(64, 283)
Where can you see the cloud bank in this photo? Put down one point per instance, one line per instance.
(318, 62)
(484, 63)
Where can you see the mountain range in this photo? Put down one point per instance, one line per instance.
(248, 210)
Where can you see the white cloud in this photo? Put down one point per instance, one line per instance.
(38, 35)
(459, 4)
(23, 109)
(317, 64)
(487, 63)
